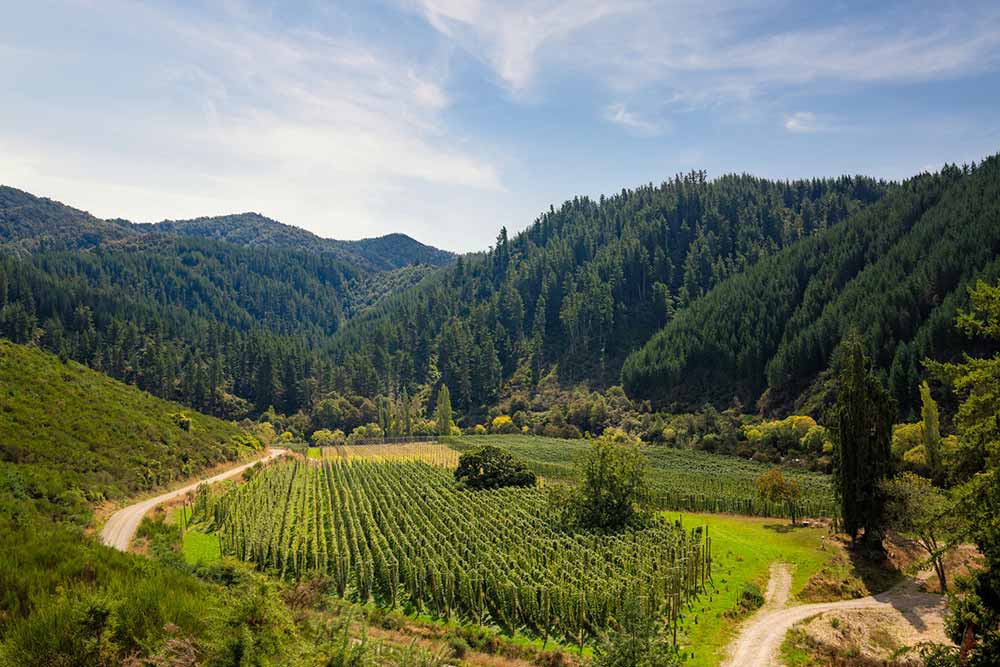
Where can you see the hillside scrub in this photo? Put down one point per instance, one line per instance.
(75, 437)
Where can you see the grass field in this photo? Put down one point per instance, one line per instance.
(196, 545)
(680, 479)
(743, 550)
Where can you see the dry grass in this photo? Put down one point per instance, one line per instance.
(428, 452)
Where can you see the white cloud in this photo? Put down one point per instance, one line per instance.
(619, 114)
(511, 36)
(707, 53)
(233, 112)
(802, 122)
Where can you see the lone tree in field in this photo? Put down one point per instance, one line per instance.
(773, 486)
(443, 411)
(919, 509)
(490, 467)
(862, 431)
(612, 485)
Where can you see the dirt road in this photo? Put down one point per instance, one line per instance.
(759, 641)
(121, 527)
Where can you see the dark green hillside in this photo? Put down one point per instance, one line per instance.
(383, 253)
(70, 436)
(896, 273)
(394, 251)
(227, 328)
(29, 223)
(219, 327)
(585, 284)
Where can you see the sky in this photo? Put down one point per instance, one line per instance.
(447, 119)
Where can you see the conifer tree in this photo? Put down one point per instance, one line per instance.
(862, 428)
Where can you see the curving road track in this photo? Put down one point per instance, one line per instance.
(759, 641)
(121, 527)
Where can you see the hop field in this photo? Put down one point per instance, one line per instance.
(679, 479)
(403, 533)
(428, 452)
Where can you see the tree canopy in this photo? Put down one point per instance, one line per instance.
(490, 467)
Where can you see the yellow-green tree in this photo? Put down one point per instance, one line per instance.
(776, 488)
(442, 411)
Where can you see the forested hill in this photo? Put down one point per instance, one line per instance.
(383, 253)
(721, 288)
(31, 223)
(226, 328)
(895, 272)
(584, 285)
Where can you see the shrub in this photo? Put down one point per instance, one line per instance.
(489, 467)
(182, 420)
(503, 424)
(459, 647)
(327, 438)
(369, 431)
(751, 598)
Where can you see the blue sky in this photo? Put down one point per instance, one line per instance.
(446, 119)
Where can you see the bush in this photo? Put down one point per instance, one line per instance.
(459, 647)
(327, 438)
(503, 424)
(182, 420)
(489, 467)
(751, 598)
(369, 431)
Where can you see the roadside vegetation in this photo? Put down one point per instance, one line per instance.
(71, 437)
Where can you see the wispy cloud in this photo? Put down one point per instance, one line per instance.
(803, 122)
(237, 112)
(619, 114)
(512, 36)
(698, 53)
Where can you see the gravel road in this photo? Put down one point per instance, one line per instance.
(121, 527)
(759, 641)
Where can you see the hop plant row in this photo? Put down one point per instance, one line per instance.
(402, 532)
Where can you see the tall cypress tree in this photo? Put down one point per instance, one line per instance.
(862, 428)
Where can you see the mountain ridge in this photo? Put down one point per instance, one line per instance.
(28, 222)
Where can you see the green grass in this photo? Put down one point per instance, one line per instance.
(743, 549)
(197, 546)
(793, 650)
(315, 453)
(680, 479)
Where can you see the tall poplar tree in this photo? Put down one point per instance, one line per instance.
(931, 432)
(443, 411)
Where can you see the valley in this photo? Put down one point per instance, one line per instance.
(657, 429)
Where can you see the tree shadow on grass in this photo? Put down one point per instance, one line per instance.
(784, 528)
